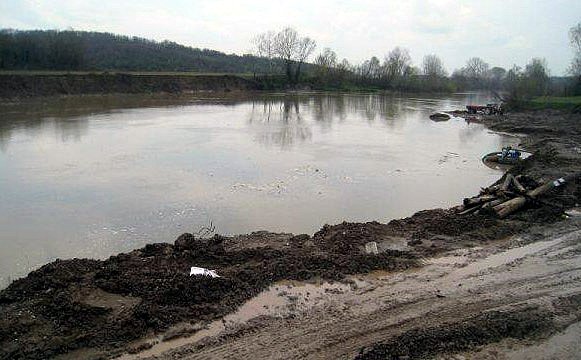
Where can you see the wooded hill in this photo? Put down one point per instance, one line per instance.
(81, 50)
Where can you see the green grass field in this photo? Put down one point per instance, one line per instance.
(554, 102)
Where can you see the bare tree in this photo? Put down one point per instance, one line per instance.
(459, 78)
(476, 69)
(304, 49)
(575, 37)
(265, 47)
(433, 67)
(537, 77)
(286, 42)
(396, 64)
(370, 69)
(325, 63)
(326, 59)
(434, 72)
(288, 46)
(513, 81)
(497, 74)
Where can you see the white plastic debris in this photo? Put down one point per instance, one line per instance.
(371, 248)
(198, 271)
(558, 182)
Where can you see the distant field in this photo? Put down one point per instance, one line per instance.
(161, 73)
(554, 102)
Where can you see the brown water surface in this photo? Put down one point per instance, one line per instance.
(94, 176)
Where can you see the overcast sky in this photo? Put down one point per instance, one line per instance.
(503, 33)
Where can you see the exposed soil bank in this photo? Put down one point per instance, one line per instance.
(105, 305)
(73, 304)
(22, 86)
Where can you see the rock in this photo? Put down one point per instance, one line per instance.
(185, 241)
(439, 117)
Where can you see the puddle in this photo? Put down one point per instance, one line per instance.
(503, 258)
(279, 300)
(575, 212)
(394, 243)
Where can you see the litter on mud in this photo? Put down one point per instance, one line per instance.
(198, 271)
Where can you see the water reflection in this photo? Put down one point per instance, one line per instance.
(279, 122)
(67, 117)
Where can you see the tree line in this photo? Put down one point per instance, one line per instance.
(397, 72)
(281, 59)
(80, 50)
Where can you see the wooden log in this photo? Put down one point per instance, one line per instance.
(470, 210)
(493, 203)
(470, 202)
(510, 206)
(518, 186)
(490, 190)
(507, 181)
(489, 205)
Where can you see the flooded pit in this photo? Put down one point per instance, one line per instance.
(94, 176)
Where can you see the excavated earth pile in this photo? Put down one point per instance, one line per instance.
(82, 303)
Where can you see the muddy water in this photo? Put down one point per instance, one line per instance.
(93, 176)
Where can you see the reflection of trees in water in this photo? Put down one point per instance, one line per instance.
(390, 110)
(327, 108)
(67, 124)
(5, 136)
(386, 108)
(279, 122)
(69, 115)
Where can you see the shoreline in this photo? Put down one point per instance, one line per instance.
(22, 85)
(19, 86)
(154, 294)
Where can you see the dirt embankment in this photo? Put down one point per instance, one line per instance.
(74, 304)
(22, 86)
(105, 305)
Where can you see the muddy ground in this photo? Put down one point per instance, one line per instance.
(411, 306)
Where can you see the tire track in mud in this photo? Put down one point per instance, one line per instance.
(534, 278)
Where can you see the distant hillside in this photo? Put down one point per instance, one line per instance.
(81, 50)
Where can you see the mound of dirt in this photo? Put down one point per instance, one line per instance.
(74, 304)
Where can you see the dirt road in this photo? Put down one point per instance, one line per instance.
(536, 284)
